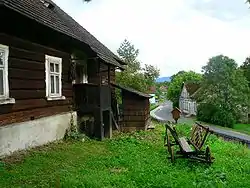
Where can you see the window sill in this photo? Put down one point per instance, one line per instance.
(7, 101)
(56, 98)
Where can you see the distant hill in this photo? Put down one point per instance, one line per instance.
(163, 79)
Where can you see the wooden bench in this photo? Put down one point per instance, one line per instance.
(188, 147)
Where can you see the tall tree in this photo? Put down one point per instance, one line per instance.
(225, 88)
(135, 76)
(175, 86)
(246, 69)
(129, 54)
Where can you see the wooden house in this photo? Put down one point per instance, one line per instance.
(42, 52)
(187, 104)
(135, 109)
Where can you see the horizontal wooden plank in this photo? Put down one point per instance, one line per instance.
(21, 116)
(134, 102)
(30, 104)
(26, 74)
(67, 93)
(134, 118)
(27, 94)
(30, 46)
(25, 54)
(184, 145)
(133, 124)
(26, 64)
(26, 84)
(134, 108)
(67, 85)
(33, 84)
(134, 112)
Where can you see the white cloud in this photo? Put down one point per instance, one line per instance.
(170, 34)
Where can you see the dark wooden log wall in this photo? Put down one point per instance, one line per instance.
(136, 112)
(27, 82)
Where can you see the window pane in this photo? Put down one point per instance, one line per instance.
(52, 84)
(57, 68)
(57, 84)
(1, 57)
(1, 82)
(51, 67)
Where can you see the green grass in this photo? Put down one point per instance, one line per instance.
(128, 160)
(153, 106)
(244, 128)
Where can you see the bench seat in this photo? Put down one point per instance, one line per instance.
(184, 145)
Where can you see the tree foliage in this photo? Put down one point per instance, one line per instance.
(246, 69)
(161, 90)
(225, 88)
(174, 89)
(129, 54)
(135, 76)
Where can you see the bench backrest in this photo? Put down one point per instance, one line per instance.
(199, 134)
(171, 129)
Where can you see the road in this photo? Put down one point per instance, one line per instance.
(163, 113)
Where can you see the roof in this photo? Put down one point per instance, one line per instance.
(60, 21)
(191, 87)
(132, 91)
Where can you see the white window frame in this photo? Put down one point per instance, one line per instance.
(55, 60)
(5, 99)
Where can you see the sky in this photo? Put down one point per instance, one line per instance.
(173, 35)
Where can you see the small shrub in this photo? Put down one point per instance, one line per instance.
(205, 112)
(213, 114)
(72, 132)
(223, 118)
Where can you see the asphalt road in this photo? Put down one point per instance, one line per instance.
(164, 111)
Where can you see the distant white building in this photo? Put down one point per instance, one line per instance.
(152, 99)
(186, 103)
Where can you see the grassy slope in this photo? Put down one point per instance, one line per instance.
(153, 106)
(135, 160)
(245, 128)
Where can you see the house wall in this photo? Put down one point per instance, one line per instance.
(186, 104)
(26, 65)
(136, 112)
(29, 134)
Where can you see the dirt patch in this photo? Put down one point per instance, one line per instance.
(118, 170)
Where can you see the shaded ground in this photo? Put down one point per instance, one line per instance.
(128, 160)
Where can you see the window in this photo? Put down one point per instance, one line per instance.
(4, 84)
(81, 73)
(53, 67)
(195, 107)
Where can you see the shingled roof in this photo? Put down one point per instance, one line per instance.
(130, 90)
(191, 87)
(55, 18)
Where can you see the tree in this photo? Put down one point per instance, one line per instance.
(175, 86)
(180, 72)
(225, 90)
(246, 69)
(129, 54)
(134, 76)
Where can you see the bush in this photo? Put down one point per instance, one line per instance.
(212, 114)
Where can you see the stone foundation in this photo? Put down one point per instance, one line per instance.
(33, 133)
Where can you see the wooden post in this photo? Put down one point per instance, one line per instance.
(109, 75)
(99, 129)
